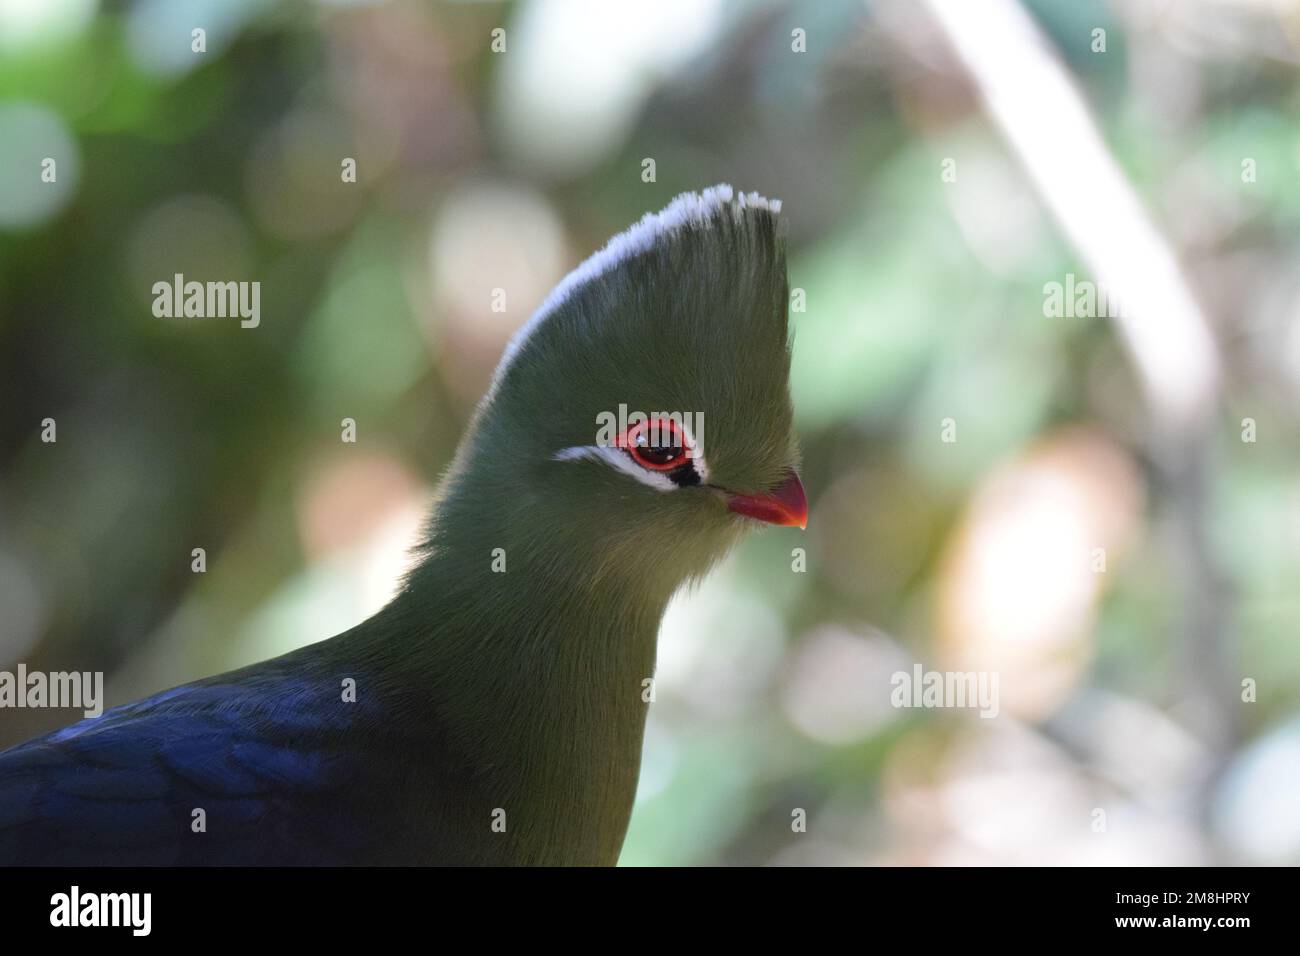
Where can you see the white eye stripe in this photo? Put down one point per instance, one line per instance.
(619, 459)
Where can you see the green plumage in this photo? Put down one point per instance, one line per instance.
(498, 716)
(537, 673)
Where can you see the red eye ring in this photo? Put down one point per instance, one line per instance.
(672, 448)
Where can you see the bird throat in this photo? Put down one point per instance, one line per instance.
(540, 678)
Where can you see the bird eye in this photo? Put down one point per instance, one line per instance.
(658, 444)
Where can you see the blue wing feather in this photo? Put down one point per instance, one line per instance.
(264, 758)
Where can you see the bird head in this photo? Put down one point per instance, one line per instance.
(645, 407)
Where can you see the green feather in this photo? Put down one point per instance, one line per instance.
(522, 691)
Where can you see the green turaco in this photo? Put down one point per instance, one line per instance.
(493, 712)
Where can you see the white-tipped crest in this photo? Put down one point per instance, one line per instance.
(686, 209)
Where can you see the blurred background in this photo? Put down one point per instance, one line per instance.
(1115, 529)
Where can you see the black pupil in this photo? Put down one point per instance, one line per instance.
(668, 447)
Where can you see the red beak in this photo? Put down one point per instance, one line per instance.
(788, 505)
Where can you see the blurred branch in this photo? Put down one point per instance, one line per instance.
(1031, 97)
(1028, 93)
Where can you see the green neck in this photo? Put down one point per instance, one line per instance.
(536, 674)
